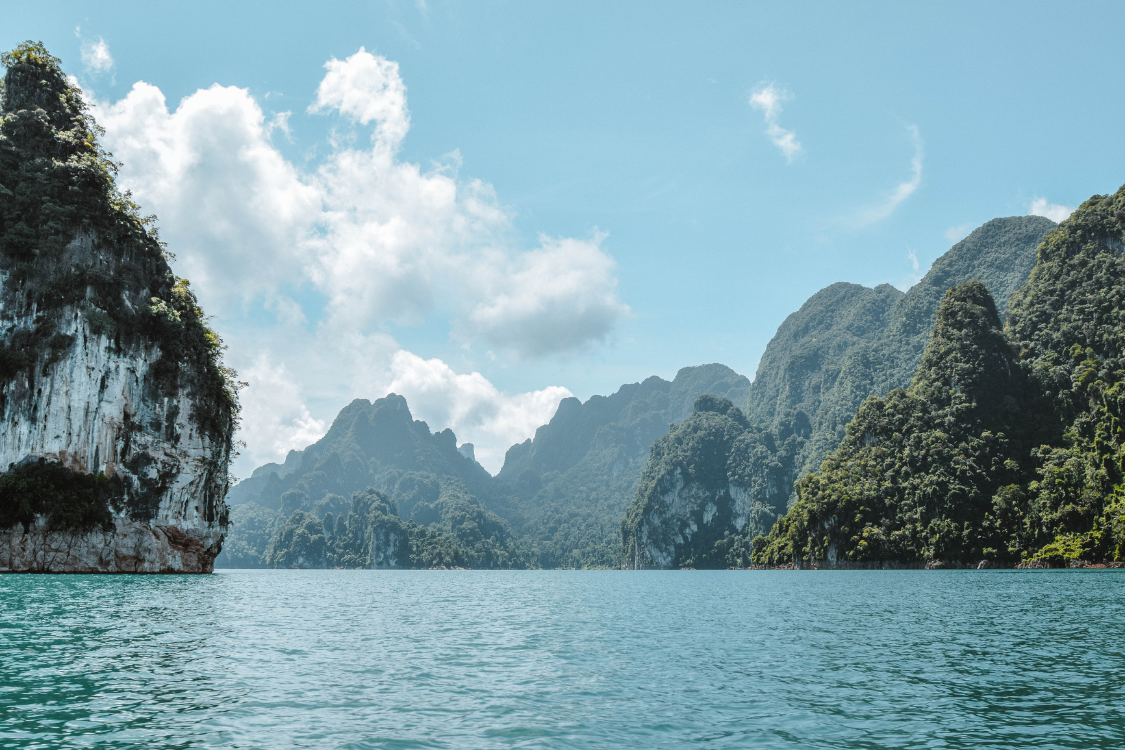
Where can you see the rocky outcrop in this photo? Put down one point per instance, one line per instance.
(116, 412)
(712, 484)
(128, 546)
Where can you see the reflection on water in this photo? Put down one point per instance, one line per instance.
(388, 659)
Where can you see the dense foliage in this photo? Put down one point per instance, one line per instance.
(1069, 325)
(1008, 444)
(847, 342)
(711, 484)
(67, 499)
(574, 481)
(452, 531)
(916, 475)
(69, 241)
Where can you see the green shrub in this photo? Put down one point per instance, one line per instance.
(69, 499)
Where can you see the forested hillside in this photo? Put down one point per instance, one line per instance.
(1008, 444)
(371, 446)
(847, 342)
(574, 480)
(557, 502)
(709, 487)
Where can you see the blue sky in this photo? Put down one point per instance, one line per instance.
(571, 196)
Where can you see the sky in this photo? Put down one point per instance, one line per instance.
(487, 207)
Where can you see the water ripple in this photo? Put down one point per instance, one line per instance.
(401, 659)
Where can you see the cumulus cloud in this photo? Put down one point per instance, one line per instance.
(379, 237)
(96, 57)
(563, 294)
(281, 414)
(275, 419)
(305, 266)
(471, 406)
(904, 189)
(1056, 212)
(768, 99)
(237, 214)
(366, 89)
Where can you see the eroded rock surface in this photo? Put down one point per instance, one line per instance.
(116, 412)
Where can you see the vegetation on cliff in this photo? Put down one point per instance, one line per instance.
(65, 498)
(1007, 445)
(69, 240)
(72, 247)
(711, 484)
(453, 531)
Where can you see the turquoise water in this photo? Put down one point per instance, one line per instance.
(399, 659)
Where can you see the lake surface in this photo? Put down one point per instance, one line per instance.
(404, 659)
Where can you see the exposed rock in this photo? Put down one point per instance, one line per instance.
(128, 547)
(107, 366)
(712, 484)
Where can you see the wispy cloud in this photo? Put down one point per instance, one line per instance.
(904, 189)
(915, 274)
(959, 232)
(96, 57)
(1056, 212)
(768, 98)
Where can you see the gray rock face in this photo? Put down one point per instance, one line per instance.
(116, 411)
(98, 410)
(129, 547)
(676, 514)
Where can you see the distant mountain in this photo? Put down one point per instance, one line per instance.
(370, 444)
(570, 485)
(378, 446)
(848, 342)
(715, 481)
(559, 497)
(1007, 447)
(803, 361)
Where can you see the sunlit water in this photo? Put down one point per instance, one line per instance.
(387, 659)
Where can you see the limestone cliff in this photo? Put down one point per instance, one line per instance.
(711, 484)
(116, 412)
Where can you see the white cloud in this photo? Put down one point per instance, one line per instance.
(959, 232)
(1054, 211)
(275, 419)
(305, 267)
(904, 189)
(296, 384)
(96, 57)
(366, 89)
(237, 215)
(471, 406)
(381, 239)
(768, 98)
(561, 295)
